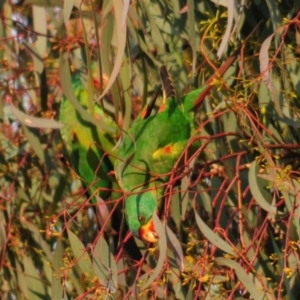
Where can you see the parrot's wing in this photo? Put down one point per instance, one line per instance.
(87, 144)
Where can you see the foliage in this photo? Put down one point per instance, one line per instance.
(230, 227)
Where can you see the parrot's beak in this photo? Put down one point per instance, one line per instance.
(147, 232)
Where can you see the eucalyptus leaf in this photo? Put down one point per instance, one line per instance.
(34, 284)
(213, 237)
(259, 191)
(104, 266)
(81, 255)
(35, 122)
(256, 290)
(175, 244)
(57, 288)
(44, 3)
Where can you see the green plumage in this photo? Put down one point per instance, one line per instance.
(88, 146)
(86, 143)
(148, 154)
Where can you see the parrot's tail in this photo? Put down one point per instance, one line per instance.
(168, 87)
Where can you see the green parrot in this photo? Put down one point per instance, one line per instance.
(87, 144)
(150, 150)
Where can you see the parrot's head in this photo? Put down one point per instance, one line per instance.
(139, 210)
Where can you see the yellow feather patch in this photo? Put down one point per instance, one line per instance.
(167, 151)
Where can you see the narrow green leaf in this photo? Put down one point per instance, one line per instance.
(105, 266)
(179, 289)
(106, 8)
(21, 277)
(99, 52)
(47, 269)
(121, 277)
(281, 265)
(34, 122)
(38, 62)
(36, 235)
(175, 209)
(125, 75)
(58, 194)
(125, 12)
(292, 66)
(156, 34)
(225, 39)
(264, 60)
(102, 214)
(175, 244)
(184, 195)
(1, 106)
(256, 290)
(40, 26)
(202, 198)
(258, 189)
(33, 280)
(213, 237)
(2, 231)
(275, 16)
(136, 38)
(57, 287)
(35, 143)
(192, 32)
(67, 10)
(265, 70)
(2, 51)
(81, 255)
(190, 293)
(290, 192)
(44, 3)
(106, 37)
(293, 263)
(121, 33)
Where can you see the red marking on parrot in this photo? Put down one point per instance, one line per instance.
(147, 232)
(167, 149)
(162, 107)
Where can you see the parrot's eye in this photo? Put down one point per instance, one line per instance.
(141, 219)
